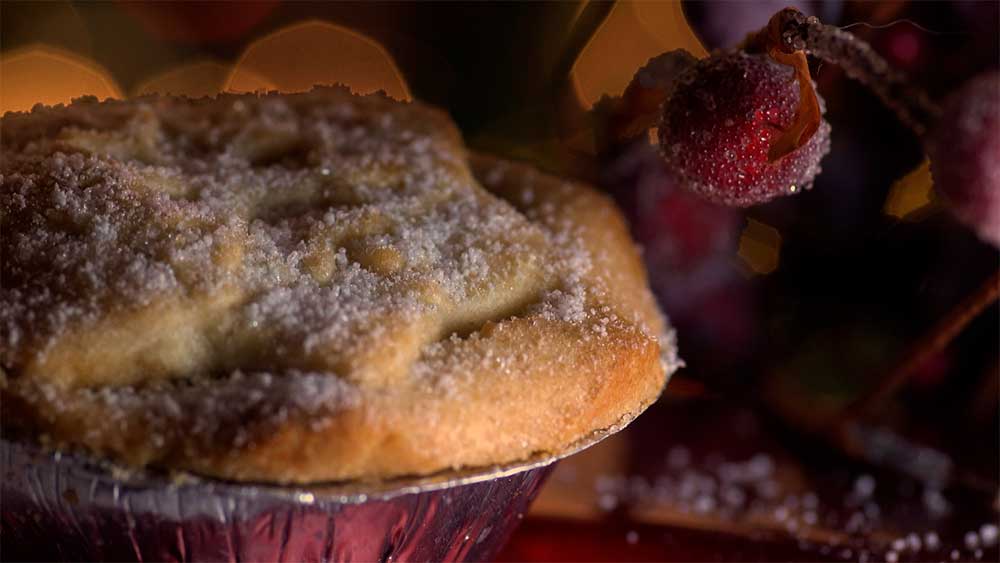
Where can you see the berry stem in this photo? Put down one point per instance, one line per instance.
(910, 103)
(933, 341)
(807, 117)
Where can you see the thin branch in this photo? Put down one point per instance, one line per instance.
(860, 61)
(932, 342)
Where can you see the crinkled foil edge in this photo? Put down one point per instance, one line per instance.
(352, 492)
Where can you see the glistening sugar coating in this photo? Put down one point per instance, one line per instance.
(720, 121)
(264, 286)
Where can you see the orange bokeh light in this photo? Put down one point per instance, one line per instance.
(760, 247)
(198, 79)
(43, 74)
(911, 195)
(296, 58)
(633, 33)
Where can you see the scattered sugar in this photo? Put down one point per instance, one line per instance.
(864, 486)
(732, 490)
(935, 502)
(932, 541)
(988, 534)
(607, 502)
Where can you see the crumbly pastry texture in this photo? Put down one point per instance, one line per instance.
(307, 287)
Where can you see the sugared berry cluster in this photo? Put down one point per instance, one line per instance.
(742, 127)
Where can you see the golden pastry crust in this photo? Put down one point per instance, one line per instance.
(308, 287)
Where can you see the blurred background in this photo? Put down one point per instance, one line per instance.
(787, 313)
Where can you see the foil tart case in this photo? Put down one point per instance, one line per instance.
(67, 506)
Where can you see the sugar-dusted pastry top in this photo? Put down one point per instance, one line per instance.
(307, 287)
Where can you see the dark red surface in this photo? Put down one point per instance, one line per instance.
(618, 540)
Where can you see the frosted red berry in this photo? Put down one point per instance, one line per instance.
(964, 148)
(719, 123)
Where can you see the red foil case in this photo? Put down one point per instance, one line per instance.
(66, 506)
